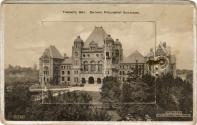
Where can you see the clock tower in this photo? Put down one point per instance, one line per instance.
(76, 58)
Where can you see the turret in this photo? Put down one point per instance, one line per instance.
(78, 45)
(76, 58)
(78, 42)
(118, 50)
(109, 51)
(109, 41)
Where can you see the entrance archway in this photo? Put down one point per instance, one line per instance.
(91, 80)
(83, 80)
(98, 80)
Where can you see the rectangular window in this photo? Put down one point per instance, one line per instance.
(62, 72)
(76, 62)
(107, 54)
(46, 72)
(99, 67)
(93, 67)
(75, 79)
(68, 72)
(107, 72)
(68, 79)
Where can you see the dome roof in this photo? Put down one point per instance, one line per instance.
(108, 38)
(117, 41)
(78, 40)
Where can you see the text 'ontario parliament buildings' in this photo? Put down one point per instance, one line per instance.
(97, 57)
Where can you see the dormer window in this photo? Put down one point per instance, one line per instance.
(136, 61)
(93, 45)
(92, 48)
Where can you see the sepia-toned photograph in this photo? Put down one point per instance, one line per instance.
(98, 62)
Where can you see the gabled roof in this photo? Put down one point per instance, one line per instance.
(46, 53)
(135, 56)
(98, 35)
(150, 54)
(52, 52)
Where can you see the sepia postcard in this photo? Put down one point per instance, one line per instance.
(98, 62)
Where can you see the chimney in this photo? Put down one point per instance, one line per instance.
(164, 44)
(65, 56)
(151, 49)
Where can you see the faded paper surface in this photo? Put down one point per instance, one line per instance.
(174, 24)
(31, 28)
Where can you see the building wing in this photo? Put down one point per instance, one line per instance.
(136, 56)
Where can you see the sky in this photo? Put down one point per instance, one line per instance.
(29, 29)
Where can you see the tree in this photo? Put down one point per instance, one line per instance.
(17, 101)
(174, 94)
(110, 92)
(76, 106)
(135, 92)
(138, 89)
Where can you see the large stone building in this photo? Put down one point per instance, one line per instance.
(92, 60)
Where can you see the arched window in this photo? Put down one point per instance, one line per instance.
(117, 53)
(99, 65)
(85, 63)
(46, 70)
(91, 80)
(93, 66)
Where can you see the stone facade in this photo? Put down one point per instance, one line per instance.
(92, 60)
